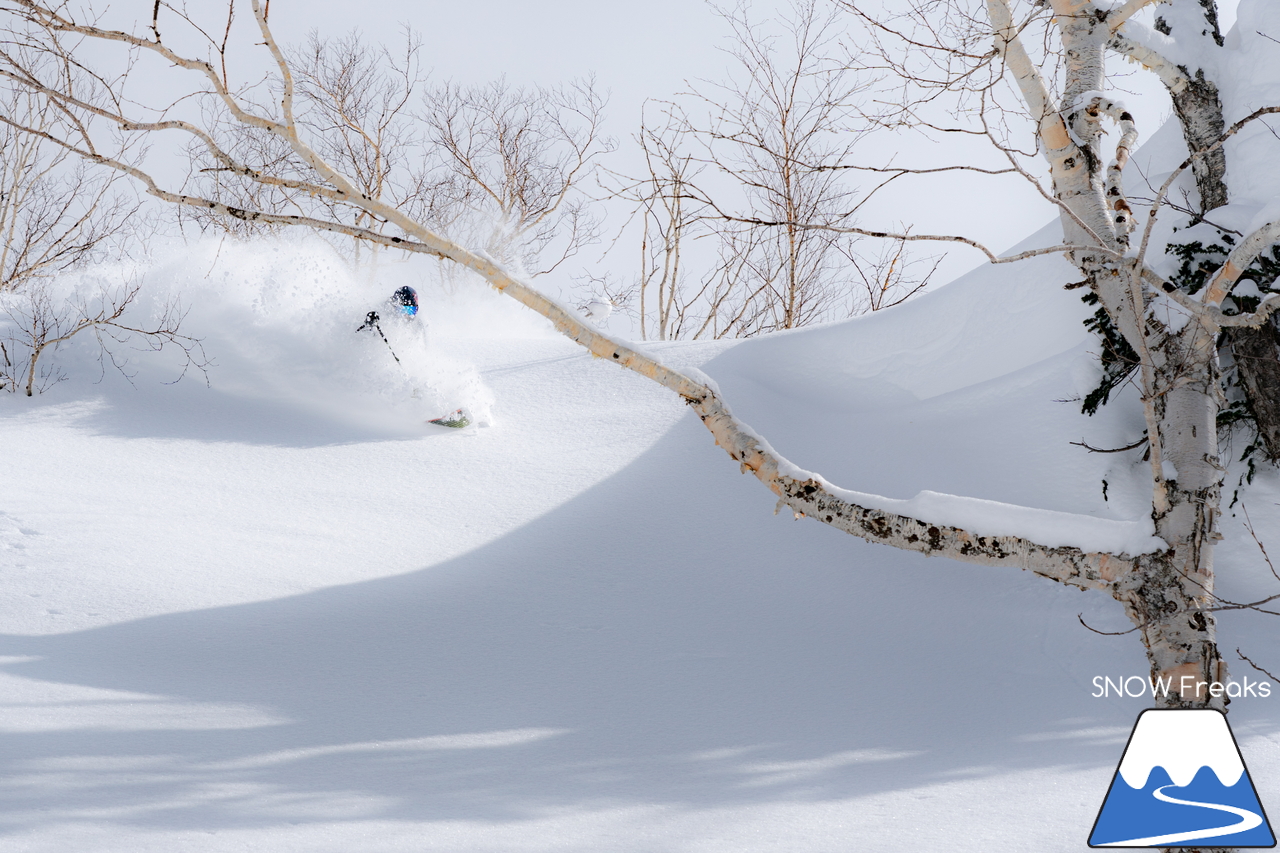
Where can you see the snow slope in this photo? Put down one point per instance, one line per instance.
(278, 613)
(273, 614)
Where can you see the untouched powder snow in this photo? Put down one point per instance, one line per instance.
(242, 619)
(942, 351)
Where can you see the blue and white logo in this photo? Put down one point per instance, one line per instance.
(1181, 783)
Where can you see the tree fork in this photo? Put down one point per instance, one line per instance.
(1166, 594)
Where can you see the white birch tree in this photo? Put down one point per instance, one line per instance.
(1167, 589)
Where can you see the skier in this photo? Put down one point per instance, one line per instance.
(404, 302)
(406, 299)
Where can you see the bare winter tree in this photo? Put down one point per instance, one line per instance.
(1166, 586)
(750, 166)
(57, 213)
(511, 164)
(356, 101)
(41, 321)
(782, 117)
(887, 278)
(54, 211)
(1171, 353)
(499, 166)
(669, 220)
(732, 294)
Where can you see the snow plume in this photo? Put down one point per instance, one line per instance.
(278, 320)
(282, 317)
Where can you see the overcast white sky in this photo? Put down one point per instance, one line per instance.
(649, 49)
(636, 50)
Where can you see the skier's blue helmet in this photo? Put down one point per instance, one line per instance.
(407, 298)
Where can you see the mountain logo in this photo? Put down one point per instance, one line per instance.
(1181, 783)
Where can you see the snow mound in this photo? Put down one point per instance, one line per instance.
(1000, 357)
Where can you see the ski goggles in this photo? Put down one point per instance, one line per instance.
(411, 310)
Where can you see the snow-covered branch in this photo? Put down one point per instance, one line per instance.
(1172, 77)
(1254, 319)
(1212, 315)
(1117, 17)
(866, 516)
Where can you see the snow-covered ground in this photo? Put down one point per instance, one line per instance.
(278, 613)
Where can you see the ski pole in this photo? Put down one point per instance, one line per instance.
(371, 322)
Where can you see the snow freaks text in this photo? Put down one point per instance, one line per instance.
(1136, 686)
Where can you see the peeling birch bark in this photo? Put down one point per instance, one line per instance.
(1052, 129)
(1244, 254)
(1122, 213)
(1077, 184)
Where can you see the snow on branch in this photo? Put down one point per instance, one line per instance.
(994, 533)
(1254, 319)
(1172, 77)
(1117, 17)
(1237, 262)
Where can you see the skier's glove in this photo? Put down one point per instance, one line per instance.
(370, 321)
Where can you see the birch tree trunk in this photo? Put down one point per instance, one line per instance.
(1196, 101)
(1170, 592)
(1165, 594)
(1197, 104)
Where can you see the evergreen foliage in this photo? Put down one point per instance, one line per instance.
(1118, 358)
(1199, 260)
